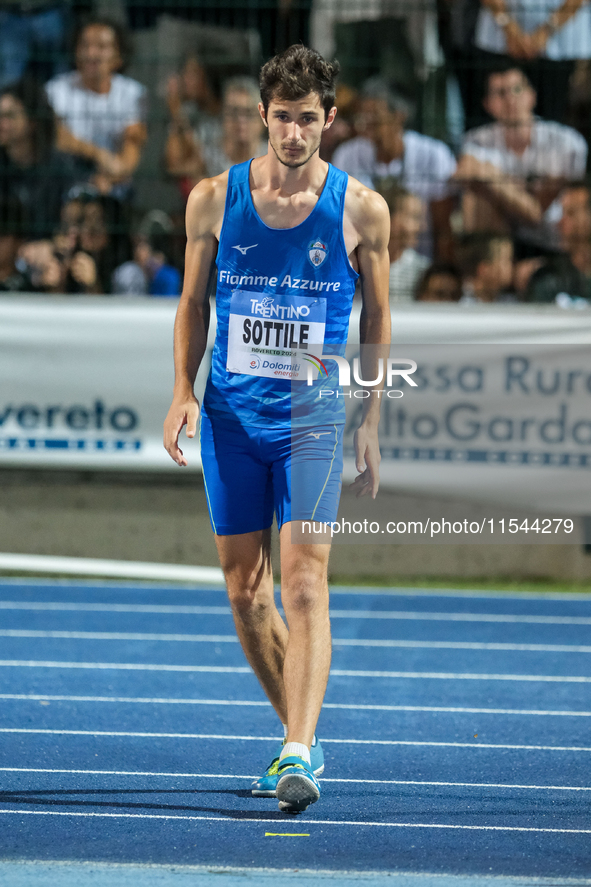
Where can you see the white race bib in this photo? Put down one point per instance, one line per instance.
(271, 335)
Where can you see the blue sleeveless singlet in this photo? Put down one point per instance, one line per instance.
(281, 294)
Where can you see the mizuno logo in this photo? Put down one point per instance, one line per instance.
(243, 249)
(317, 434)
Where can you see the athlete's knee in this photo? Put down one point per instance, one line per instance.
(250, 593)
(305, 594)
(250, 606)
(246, 562)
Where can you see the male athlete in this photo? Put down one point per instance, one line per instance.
(288, 236)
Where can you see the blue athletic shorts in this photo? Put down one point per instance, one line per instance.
(251, 473)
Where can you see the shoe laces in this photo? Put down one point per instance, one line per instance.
(273, 767)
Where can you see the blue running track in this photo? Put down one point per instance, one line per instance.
(456, 729)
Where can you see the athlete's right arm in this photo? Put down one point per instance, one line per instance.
(205, 210)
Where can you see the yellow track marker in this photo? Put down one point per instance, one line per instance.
(285, 835)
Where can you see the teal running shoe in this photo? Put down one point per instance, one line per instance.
(297, 787)
(265, 786)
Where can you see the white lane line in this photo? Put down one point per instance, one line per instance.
(125, 666)
(157, 700)
(337, 642)
(460, 617)
(234, 738)
(485, 785)
(173, 609)
(335, 672)
(558, 788)
(39, 697)
(131, 773)
(460, 676)
(63, 606)
(257, 821)
(462, 645)
(121, 636)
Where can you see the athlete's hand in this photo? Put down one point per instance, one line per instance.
(367, 461)
(182, 412)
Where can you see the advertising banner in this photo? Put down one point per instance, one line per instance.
(86, 382)
(499, 412)
(507, 425)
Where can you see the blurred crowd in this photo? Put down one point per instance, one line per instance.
(505, 217)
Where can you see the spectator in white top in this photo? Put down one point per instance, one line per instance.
(514, 168)
(101, 112)
(545, 37)
(385, 151)
(407, 215)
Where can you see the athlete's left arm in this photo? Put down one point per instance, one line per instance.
(372, 222)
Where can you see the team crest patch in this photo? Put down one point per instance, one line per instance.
(317, 253)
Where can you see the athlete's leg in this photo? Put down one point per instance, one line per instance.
(246, 562)
(240, 502)
(304, 594)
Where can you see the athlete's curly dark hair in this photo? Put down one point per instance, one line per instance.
(296, 73)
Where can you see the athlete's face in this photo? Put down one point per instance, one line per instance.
(295, 128)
